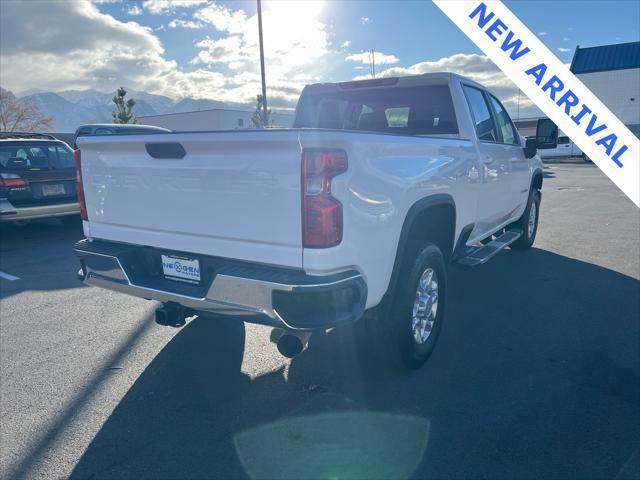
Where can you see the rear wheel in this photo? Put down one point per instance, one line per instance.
(410, 330)
(585, 158)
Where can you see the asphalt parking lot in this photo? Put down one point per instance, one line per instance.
(536, 374)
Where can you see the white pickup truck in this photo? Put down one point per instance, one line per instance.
(361, 207)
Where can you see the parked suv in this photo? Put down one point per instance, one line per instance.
(37, 178)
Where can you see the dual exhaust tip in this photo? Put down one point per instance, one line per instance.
(290, 343)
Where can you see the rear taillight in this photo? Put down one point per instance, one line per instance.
(79, 187)
(11, 180)
(321, 212)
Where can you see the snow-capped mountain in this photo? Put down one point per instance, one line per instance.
(72, 108)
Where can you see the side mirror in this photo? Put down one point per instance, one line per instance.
(546, 134)
(530, 147)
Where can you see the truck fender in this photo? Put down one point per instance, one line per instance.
(416, 209)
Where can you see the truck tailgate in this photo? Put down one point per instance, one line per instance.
(233, 194)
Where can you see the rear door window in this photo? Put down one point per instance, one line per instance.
(425, 110)
(482, 117)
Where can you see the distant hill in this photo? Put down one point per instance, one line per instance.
(72, 108)
(66, 115)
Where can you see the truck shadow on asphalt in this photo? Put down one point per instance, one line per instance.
(536, 374)
(40, 254)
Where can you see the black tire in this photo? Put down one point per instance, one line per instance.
(586, 159)
(395, 329)
(526, 240)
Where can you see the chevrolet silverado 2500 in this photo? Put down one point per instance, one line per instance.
(380, 185)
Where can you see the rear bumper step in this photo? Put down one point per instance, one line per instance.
(279, 297)
(485, 253)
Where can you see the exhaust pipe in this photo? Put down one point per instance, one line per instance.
(291, 344)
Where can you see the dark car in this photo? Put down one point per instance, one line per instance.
(37, 178)
(115, 129)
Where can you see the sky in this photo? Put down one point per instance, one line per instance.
(209, 49)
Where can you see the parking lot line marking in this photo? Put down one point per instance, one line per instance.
(7, 276)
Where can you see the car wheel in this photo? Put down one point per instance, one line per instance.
(528, 223)
(411, 327)
(586, 159)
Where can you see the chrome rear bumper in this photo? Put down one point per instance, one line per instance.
(275, 297)
(11, 213)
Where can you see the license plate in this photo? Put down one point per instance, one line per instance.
(48, 190)
(181, 269)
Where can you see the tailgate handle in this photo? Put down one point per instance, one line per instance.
(165, 150)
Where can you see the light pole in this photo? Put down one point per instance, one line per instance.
(264, 84)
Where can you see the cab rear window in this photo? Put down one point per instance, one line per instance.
(423, 110)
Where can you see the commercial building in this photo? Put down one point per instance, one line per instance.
(213, 119)
(612, 73)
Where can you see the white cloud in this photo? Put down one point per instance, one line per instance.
(295, 45)
(365, 20)
(380, 58)
(157, 7)
(178, 23)
(564, 50)
(103, 53)
(346, 44)
(476, 67)
(223, 19)
(134, 10)
(542, 34)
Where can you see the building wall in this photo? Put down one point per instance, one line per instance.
(213, 120)
(616, 88)
(201, 120)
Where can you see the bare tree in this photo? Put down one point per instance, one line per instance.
(21, 115)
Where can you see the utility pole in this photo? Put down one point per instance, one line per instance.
(264, 83)
(372, 63)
